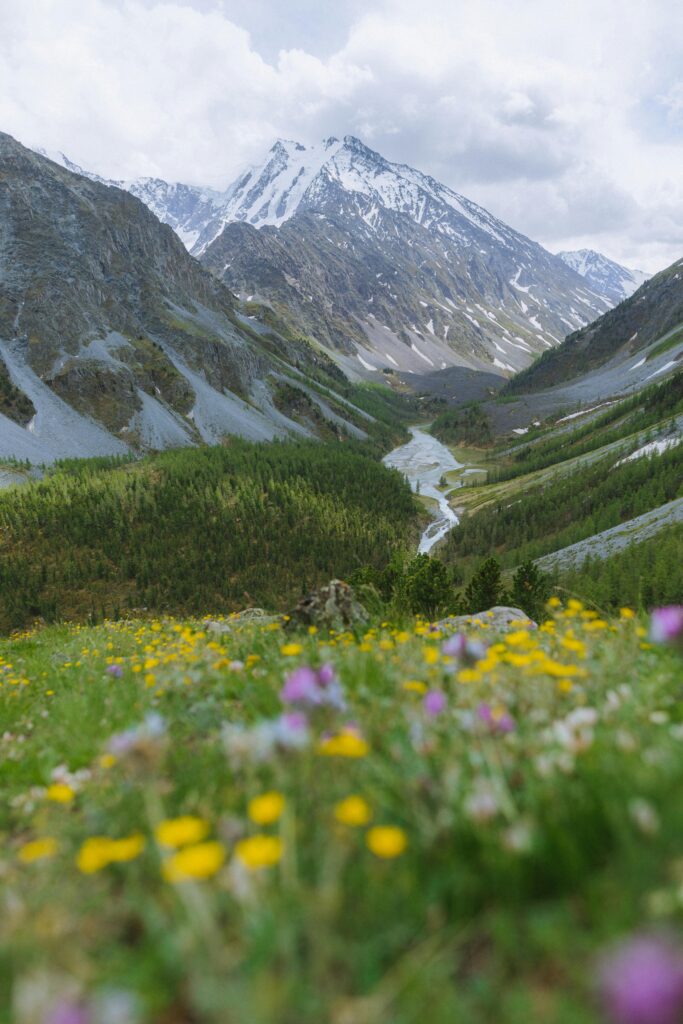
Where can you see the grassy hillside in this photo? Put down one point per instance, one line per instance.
(194, 529)
(437, 840)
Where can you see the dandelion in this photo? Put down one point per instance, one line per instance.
(60, 793)
(345, 744)
(199, 861)
(38, 849)
(291, 650)
(175, 832)
(267, 808)
(258, 852)
(386, 841)
(98, 852)
(353, 811)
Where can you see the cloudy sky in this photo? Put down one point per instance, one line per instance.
(565, 119)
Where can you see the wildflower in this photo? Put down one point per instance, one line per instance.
(38, 849)
(468, 651)
(354, 811)
(310, 687)
(143, 738)
(641, 981)
(98, 852)
(386, 841)
(267, 808)
(666, 625)
(175, 832)
(291, 650)
(644, 816)
(69, 1013)
(434, 702)
(262, 741)
(345, 744)
(415, 686)
(258, 852)
(482, 803)
(495, 719)
(116, 671)
(199, 861)
(575, 731)
(60, 793)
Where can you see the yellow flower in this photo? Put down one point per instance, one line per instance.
(291, 650)
(468, 675)
(627, 613)
(353, 810)
(259, 851)
(345, 744)
(554, 602)
(415, 686)
(107, 761)
(60, 793)
(202, 860)
(39, 849)
(431, 655)
(174, 832)
(99, 851)
(386, 841)
(267, 808)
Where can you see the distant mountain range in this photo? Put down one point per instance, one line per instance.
(604, 275)
(639, 340)
(112, 337)
(382, 265)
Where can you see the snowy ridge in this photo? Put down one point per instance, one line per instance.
(604, 275)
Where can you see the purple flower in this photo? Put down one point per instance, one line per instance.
(68, 1013)
(114, 670)
(468, 651)
(301, 687)
(502, 722)
(326, 675)
(666, 624)
(641, 982)
(434, 702)
(306, 686)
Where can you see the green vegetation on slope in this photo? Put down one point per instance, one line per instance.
(566, 509)
(197, 528)
(644, 575)
(646, 409)
(469, 425)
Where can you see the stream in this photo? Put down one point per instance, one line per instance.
(424, 460)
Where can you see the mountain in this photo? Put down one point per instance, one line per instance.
(638, 340)
(380, 264)
(604, 275)
(112, 337)
(389, 266)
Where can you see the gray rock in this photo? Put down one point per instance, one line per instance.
(333, 606)
(498, 619)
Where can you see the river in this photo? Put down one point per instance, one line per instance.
(424, 460)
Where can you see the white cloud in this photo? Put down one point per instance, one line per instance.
(563, 119)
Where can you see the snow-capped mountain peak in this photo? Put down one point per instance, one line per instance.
(603, 274)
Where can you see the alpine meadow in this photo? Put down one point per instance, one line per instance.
(341, 512)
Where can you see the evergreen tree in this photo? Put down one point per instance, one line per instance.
(485, 589)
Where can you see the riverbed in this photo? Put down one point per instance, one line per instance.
(423, 461)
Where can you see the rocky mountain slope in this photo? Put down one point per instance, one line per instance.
(381, 264)
(604, 275)
(112, 337)
(640, 338)
(388, 265)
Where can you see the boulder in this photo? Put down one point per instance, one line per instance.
(333, 606)
(497, 619)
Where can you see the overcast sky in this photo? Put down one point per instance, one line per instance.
(562, 117)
